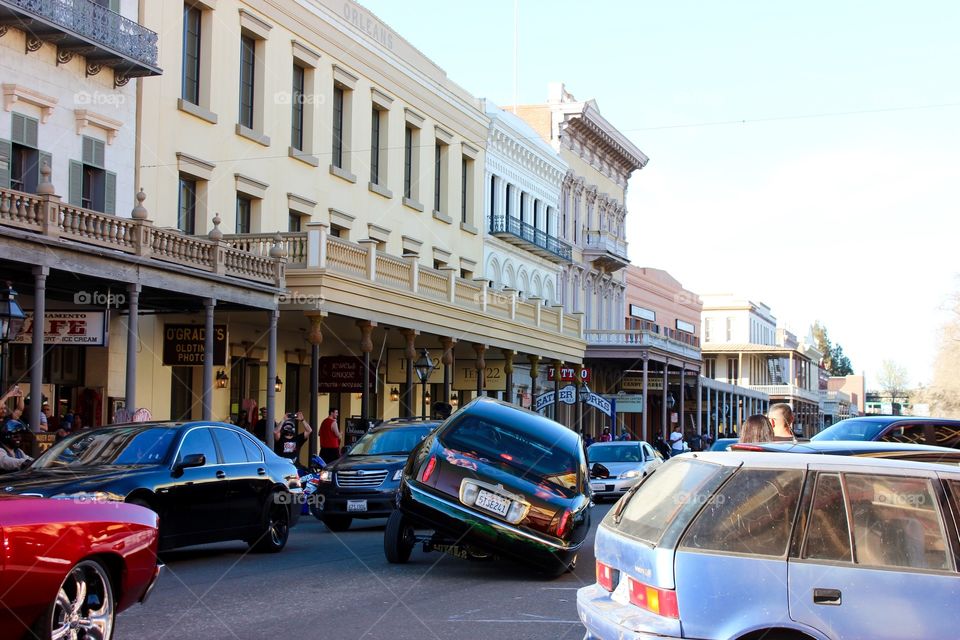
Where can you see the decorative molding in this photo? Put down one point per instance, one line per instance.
(33, 43)
(442, 135)
(380, 99)
(413, 204)
(196, 110)
(251, 187)
(195, 167)
(13, 93)
(343, 77)
(3, 29)
(378, 233)
(64, 57)
(120, 79)
(442, 217)
(304, 54)
(413, 118)
(410, 245)
(343, 174)
(441, 255)
(303, 156)
(93, 69)
(254, 24)
(250, 134)
(300, 204)
(469, 151)
(340, 218)
(380, 190)
(87, 118)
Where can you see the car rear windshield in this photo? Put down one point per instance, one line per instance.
(511, 447)
(113, 446)
(851, 430)
(674, 492)
(390, 441)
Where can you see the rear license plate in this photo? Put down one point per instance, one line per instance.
(493, 502)
(356, 505)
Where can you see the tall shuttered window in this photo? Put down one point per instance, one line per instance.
(464, 190)
(244, 208)
(91, 185)
(296, 115)
(247, 78)
(191, 54)
(408, 162)
(437, 176)
(337, 156)
(20, 159)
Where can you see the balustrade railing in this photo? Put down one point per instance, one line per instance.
(97, 23)
(640, 338)
(538, 237)
(606, 241)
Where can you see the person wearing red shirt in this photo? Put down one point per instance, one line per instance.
(330, 437)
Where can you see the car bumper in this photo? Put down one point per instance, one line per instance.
(612, 487)
(295, 506)
(153, 582)
(605, 618)
(489, 534)
(379, 504)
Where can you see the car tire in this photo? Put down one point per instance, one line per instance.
(94, 615)
(276, 527)
(398, 539)
(337, 523)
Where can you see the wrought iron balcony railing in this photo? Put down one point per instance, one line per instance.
(534, 236)
(84, 26)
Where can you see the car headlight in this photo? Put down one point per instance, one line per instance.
(633, 473)
(326, 476)
(397, 475)
(90, 496)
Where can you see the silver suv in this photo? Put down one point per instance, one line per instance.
(753, 545)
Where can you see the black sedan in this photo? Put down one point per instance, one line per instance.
(364, 482)
(208, 482)
(495, 480)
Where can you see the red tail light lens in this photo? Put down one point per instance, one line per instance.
(607, 576)
(662, 602)
(428, 470)
(563, 527)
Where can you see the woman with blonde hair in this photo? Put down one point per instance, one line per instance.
(756, 428)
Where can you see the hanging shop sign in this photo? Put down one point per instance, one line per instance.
(344, 374)
(569, 374)
(568, 395)
(628, 402)
(84, 328)
(397, 367)
(183, 345)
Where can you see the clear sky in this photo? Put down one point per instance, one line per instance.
(806, 155)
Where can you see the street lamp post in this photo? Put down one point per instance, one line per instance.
(424, 367)
(11, 321)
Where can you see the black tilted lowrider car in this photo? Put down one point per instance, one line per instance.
(363, 483)
(495, 480)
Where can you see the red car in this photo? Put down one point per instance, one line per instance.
(68, 567)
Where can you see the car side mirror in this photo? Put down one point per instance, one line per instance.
(597, 470)
(191, 460)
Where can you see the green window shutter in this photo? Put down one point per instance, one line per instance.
(6, 153)
(88, 150)
(115, 6)
(76, 182)
(93, 152)
(23, 130)
(98, 154)
(110, 193)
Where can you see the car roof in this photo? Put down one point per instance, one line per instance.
(865, 448)
(892, 419)
(762, 459)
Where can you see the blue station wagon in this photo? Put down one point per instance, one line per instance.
(751, 545)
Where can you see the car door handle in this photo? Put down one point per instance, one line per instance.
(827, 596)
(261, 471)
(221, 475)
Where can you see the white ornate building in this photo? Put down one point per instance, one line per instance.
(523, 173)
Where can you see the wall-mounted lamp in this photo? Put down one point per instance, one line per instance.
(394, 394)
(278, 385)
(222, 379)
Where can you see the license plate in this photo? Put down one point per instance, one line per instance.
(493, 502)
(356, 505)
(598, 486)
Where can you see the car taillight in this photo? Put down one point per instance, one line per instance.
(563, 527)
(662, 602)
(428, 470)
(607, 576)
(745, 447)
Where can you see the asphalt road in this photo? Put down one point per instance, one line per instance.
(339, 585)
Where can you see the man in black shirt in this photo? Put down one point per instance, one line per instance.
(286, 440)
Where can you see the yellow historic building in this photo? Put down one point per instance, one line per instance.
(309, 131)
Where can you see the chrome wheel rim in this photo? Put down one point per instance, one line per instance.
(278, 526)
(84, 606)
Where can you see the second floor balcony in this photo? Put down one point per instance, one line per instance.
(786, 392)
(87, 28)
(672, 343)
(605, 250)
(534, 240)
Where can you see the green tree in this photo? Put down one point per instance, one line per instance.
(839, 363)
(834, 360)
